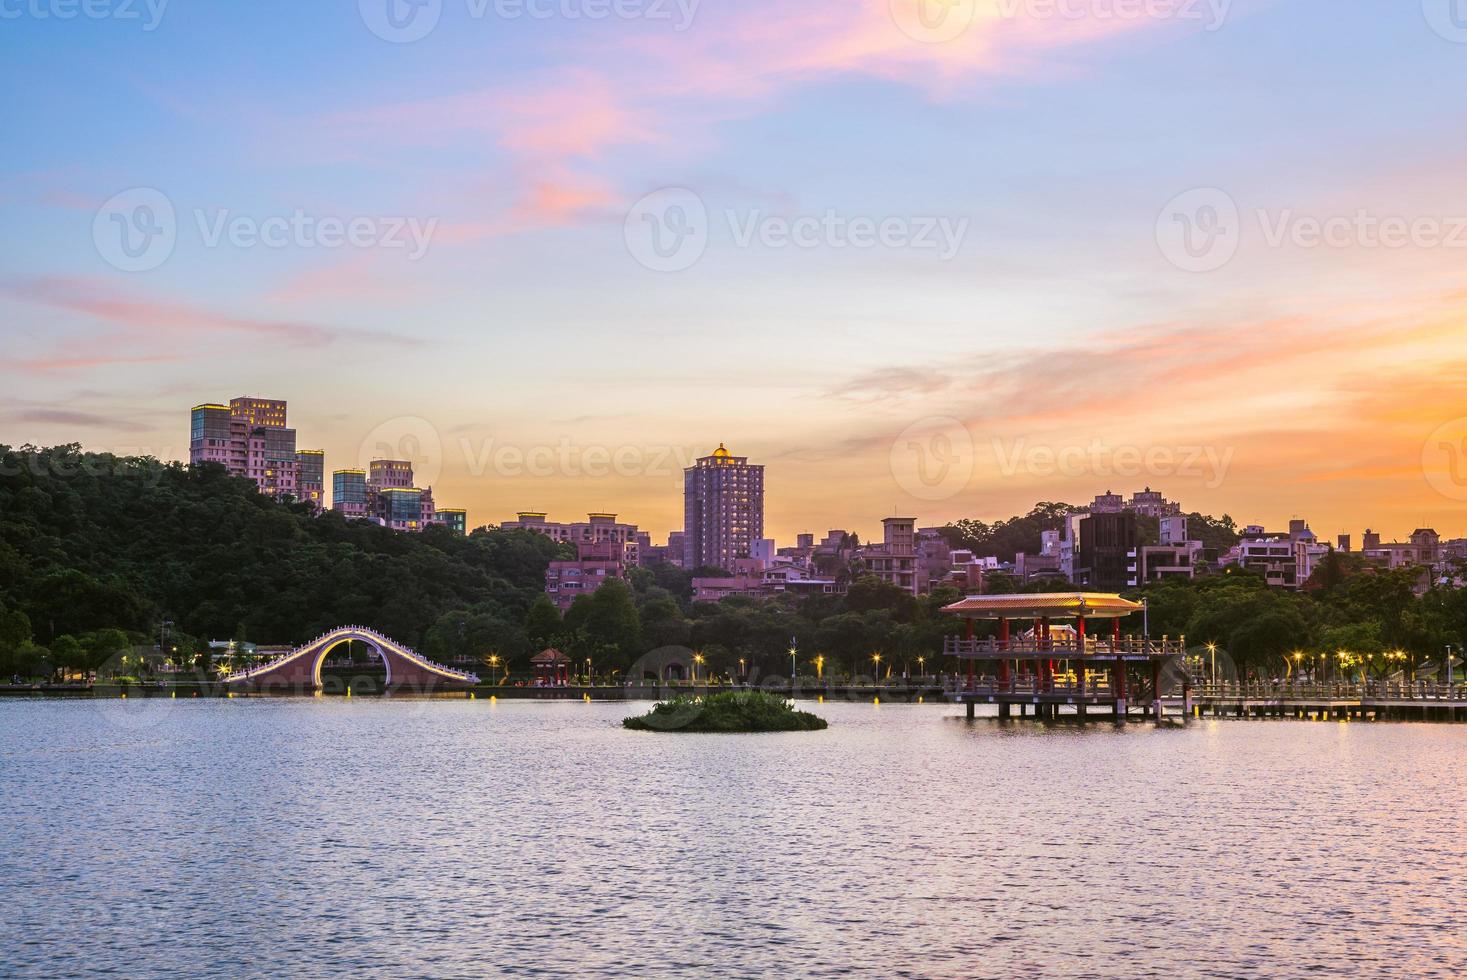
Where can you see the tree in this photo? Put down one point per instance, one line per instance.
(543, 623)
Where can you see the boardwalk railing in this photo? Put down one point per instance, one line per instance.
(1374, 690)
(1060, 646)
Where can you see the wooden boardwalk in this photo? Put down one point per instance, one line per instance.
(1371, 701)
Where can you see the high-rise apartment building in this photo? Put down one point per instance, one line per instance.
(349, 493)
(723, 509)
(249, 438)
(312, 479)
(384, 492)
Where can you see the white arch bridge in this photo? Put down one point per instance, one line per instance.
(407, 670)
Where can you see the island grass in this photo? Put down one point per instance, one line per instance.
(730, 711)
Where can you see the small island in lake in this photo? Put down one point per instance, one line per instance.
(730, 711)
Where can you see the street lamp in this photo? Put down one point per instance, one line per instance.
(742, 672)
(588, 671)
(697, 662)
(1212, 649)
(922, 666)
(876, 659)
(794, 648)
(820, 666)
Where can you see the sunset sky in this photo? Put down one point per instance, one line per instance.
(933, 258)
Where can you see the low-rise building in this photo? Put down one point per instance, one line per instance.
(595, 564)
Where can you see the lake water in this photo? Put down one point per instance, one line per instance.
(311, 837)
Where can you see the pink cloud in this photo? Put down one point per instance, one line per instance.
(132, 323)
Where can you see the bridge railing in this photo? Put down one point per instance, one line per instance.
(312, 645)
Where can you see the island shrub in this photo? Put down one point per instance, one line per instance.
(730, 711)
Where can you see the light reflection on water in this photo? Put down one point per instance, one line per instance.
(448, 838)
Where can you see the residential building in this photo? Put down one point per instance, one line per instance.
(1106, 540)
(1151, 503)
(597, 528)
(249, 438)
(456, 519)
(723, 509)
(349, 493)
(596, 563)
(1175, 556)
(1423, 548)
(312, 477)
(384, 493)
(676, 551)
(1270, 554)
(894, 561)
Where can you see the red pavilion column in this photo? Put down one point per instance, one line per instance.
(1003, 647)
(971, 660)
(1080, 655)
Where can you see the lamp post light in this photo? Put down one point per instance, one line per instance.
(588, 671)
(876, 660)
(743, 674)
(794, 648)
(922, 668)
(697, 662)
(1212, 650)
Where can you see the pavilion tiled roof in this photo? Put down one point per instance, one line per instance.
(549, 655)
(1064, 605)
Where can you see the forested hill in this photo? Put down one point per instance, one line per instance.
(94, 541)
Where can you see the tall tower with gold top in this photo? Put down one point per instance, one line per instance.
(723, 509)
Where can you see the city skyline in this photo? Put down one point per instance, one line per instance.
(402, 446)
(981, 219)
